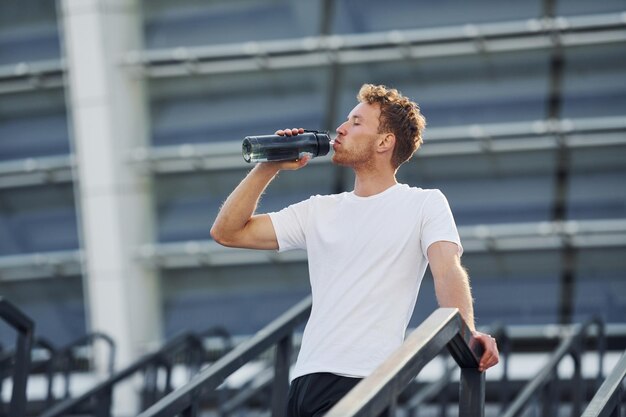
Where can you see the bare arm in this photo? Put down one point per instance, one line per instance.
(236, 224)
(453, 290)
(451, 281)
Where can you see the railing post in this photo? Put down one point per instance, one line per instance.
(24, 327)
(578, 388)
(103, 403)
(280, 387)
(444, 400)
(472, 393)
(192, 410)
(391, 410)
(549, 400)
(20, 376)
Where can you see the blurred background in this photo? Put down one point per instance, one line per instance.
(121, 125)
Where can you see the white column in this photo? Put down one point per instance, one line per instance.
(109, 118)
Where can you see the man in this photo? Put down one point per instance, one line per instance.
(367, 249)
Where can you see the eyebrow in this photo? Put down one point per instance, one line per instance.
(355, 116)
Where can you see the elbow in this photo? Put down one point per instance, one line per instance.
(222, 237)
(218, 236)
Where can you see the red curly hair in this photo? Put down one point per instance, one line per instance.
(398, 115)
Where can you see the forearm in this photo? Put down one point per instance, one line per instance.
(453, 290)
(239, 207)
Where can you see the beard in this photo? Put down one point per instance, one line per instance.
(355, 157)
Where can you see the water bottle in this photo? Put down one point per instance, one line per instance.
(268, 148)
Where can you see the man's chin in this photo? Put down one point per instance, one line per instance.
(337, 161)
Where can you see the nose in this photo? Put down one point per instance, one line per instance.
(341, 129)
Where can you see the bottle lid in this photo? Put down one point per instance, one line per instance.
(323, 142)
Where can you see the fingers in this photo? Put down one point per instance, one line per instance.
(490, 356)
(290, 132)
(290, 165)
(297, 164)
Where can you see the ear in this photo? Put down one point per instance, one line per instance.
(387, 143)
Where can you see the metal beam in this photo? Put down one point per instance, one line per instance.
(395, 45)
(502, 238)
(440, 141)
(444, 141)
(476, 239)
(554, 106)
(37, 171)
(41, 265)
(28, 76)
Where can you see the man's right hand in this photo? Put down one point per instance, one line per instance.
(236, 224)
(289, 165)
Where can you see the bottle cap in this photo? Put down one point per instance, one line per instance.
(323, 142)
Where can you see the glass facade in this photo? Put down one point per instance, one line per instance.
(524, 134)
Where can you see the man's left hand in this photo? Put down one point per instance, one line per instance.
(491, 356)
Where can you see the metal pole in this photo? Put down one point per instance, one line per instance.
(472, 393)
(192, 410)
(103, 403)
(20, 376)
(548, 395)
(280, 386)
(578, 388)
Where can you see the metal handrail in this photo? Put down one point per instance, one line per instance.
(611, 393)
(59, 360)
(380, 391)
(254, 388)
(437, 389)
(64, 356)
(101, 394)
(46, 367)
(25, 328)
(546, 378)
(186, 399)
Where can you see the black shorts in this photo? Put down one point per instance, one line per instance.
(313, 395)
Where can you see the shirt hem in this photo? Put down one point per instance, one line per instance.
(350, 373)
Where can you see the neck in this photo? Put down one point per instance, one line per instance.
(372, 182)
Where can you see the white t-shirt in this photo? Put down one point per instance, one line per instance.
(367, 257)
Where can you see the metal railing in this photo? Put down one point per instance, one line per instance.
(97, 400)
(186, 400)
(545, 385)
(256, 388)
(65, 361)
(610, 397)
(24, 327)
(442, 329)
(437, 391)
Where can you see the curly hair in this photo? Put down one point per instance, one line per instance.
(398, 115)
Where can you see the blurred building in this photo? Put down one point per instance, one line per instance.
(121, 124)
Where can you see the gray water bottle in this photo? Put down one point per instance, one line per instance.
(267, 148)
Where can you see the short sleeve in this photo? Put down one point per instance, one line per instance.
(290, 226)
(438, 223)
